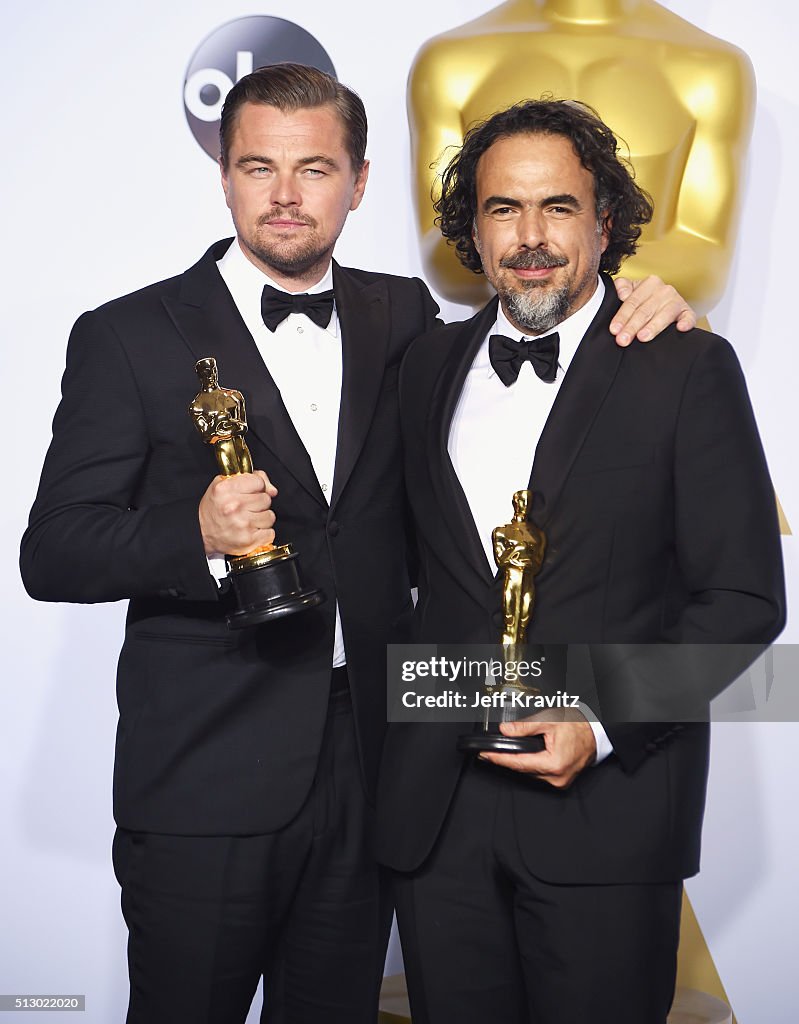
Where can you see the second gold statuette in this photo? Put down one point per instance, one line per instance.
(519, 548)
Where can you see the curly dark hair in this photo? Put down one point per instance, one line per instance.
(622, 205)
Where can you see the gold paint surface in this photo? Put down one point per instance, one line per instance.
(260, 557)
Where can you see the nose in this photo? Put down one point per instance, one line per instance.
(285, 191)
(531, 228)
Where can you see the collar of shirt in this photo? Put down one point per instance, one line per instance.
(246, 282)
(570, 331)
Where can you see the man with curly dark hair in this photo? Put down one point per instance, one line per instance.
(621, 205)
(545, 886)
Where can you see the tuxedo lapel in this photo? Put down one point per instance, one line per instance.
(579, 399)
(364, 321)
(449, 492)
(211, 325)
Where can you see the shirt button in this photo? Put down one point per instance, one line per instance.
(300, 330)
(324, 487)
(314, 406)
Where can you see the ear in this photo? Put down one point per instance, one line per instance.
(225, 182)
(476, 237)
(607, 224)
(360, 185)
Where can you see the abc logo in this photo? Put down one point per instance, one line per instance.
(232, 51)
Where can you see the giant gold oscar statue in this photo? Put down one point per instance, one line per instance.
(683, 102)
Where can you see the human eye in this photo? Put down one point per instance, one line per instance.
(260, 171)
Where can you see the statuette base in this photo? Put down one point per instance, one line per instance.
(267, 586)
(482, 741)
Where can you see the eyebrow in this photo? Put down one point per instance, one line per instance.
(318, 158)
(501, 201)
(564, 199)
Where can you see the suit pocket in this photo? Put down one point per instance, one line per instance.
(213, 639)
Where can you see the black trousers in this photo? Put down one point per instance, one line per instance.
(484, 940)
(306, 907)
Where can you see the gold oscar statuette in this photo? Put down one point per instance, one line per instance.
(519, 548)
(266, 582)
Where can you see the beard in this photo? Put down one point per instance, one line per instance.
(535, 306)
(289, 257)
(535, 310)
(538, 306)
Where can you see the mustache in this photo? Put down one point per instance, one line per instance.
(533, 259)
(278, 214)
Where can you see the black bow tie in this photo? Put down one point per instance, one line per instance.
(507, 356)
(276, 306)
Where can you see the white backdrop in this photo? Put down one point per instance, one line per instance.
(106, 190)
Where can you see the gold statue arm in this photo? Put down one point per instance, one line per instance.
(694, 251)
(214, 424)
(435, 136)
(500, 545)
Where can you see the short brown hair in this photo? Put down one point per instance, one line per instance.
(290, 87)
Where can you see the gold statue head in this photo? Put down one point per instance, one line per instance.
(207, 372)
(521, 503)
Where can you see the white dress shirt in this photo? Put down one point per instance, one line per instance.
(488, 415)
(304, 361)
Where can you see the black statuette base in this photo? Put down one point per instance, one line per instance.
(481, 741)
(269, 591)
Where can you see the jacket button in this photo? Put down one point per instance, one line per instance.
(332, 529)
(498, 619)
(652, 747)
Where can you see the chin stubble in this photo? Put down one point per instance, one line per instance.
(294, 259)
(296, 263)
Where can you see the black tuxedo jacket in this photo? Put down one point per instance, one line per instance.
(651, 486)
(219, 730)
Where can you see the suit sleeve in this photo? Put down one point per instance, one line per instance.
(86, 540)
(728, 542)
(728, 557)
